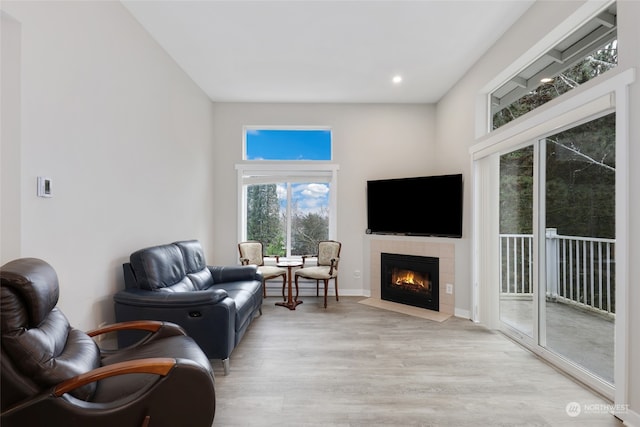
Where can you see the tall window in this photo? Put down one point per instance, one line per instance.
(287, 189)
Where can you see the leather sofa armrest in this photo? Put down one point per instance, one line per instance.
(234, 273)
(169, 299)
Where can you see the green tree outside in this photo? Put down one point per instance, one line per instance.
(308, 230)
(263, 218)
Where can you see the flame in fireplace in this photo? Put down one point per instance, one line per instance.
(409, 278)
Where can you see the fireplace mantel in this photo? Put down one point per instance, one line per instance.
(374, 245)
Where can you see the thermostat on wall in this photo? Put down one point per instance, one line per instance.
(44, 187)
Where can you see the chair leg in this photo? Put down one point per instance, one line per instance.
(326, 286)
(225, 365)
(317, 288)
(336, 284)
(264, 288)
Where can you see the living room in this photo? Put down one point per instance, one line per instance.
(139, 155)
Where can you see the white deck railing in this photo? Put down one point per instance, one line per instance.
(580, 270)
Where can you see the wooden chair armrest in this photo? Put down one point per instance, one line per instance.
(304, 258)
(334, 265)
(144, 325)
(158, 366)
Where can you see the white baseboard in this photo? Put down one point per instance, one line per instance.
(464, 314)
(630, 418)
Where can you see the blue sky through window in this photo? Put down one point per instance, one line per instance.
(309, 197)
(288, 144)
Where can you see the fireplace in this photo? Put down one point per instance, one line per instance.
(410, 279)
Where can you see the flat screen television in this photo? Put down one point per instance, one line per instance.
(420, 206)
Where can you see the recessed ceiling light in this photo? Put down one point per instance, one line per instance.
(396, 79)
(546, 80)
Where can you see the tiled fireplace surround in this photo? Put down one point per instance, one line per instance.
(444, 251)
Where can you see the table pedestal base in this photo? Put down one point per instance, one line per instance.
(290, 305)
(291, 302)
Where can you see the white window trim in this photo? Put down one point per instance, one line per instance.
(291, 169)
(592, 98)
(589, 10)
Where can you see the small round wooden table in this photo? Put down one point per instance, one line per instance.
(291, 302)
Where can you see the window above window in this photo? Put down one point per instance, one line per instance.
(303, 144)
(586, 53)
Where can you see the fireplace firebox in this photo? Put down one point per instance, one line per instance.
(410, 279)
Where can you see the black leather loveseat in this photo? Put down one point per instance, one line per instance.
(214, 304)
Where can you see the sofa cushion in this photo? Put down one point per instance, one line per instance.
(158, 267)
(185, 285)
(201, 279)
(195, 264)
(192, 254)
(247, 297)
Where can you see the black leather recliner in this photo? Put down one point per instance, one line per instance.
(214, 304)
(55, 375)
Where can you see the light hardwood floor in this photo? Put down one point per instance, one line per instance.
(356, 365)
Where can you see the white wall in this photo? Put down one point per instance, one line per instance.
(456, 112)
(457, 131)
(369, 141)
(125, 137)
(9, 138)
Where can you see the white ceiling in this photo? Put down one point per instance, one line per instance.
(326, 50)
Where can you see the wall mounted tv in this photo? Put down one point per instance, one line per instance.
(420, 206)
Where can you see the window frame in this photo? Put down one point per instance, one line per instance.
(284, 171)
(484, 116)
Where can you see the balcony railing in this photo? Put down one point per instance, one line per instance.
(579, 270)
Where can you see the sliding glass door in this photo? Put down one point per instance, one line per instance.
(557, 245)
(579, 303)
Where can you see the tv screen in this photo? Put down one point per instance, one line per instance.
(421, 206)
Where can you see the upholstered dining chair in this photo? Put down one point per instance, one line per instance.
(327, 267)
(252, 253)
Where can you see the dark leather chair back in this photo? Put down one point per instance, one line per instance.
(39, 347)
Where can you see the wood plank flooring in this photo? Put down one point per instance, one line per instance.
(356, 365)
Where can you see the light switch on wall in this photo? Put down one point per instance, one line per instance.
(44, 187)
